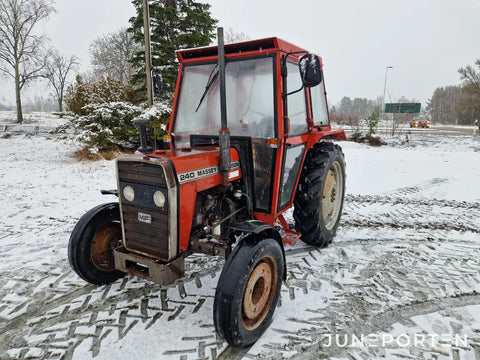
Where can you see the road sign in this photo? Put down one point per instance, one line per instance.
(410, 108)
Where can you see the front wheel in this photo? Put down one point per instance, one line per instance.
(248, 290)
(90, 249)
(320, 194)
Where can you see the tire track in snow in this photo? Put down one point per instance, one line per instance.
(395, 266)
(386, 272)
(402, 213)
(387, 285)
(381, 323)
(113, 310)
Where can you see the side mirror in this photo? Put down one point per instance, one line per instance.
(157, 81)
(310, 70)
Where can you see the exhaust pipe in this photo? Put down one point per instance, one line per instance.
(142, 125)
(224, 133)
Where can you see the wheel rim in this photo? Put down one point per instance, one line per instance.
(106, 239)
(332, 195)
(259, 293)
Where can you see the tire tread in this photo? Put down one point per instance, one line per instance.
(310, 191)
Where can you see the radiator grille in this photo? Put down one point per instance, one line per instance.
(142, 173)
(146, 227)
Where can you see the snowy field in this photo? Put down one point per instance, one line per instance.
(401, 280)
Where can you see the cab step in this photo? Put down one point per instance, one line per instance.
(290, 237)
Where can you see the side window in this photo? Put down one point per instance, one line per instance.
(262, 165)
(293, 160)
(297, 110)
(319, 105)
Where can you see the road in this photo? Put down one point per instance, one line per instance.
(434, 129)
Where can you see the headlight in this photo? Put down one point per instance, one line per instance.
(159, 198)
(128, 193)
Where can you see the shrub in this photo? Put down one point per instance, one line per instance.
(82, 93)
(108, 126)
(76, 96)
(86, 153)
(358, 137)
(376, 141)
(158, 116)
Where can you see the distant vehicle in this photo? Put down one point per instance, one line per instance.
(420, 122)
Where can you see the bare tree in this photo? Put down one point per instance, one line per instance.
(20, 49)
(351, 112)
(57, 69)
(111, 55)
(469, 106)
(232, 36)
(471, 78)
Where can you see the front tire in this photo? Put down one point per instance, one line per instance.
(319, 197)
(248, 290)
(90, 249)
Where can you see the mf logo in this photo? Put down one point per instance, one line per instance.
(145, 218)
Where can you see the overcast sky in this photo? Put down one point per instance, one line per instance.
(426, 42)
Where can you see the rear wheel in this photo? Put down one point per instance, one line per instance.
(320, 193)
(90, 249)
(248, 290)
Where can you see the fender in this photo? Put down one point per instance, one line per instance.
(256, 230)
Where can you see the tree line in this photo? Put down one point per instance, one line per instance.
(116, 59)
(458, 104)
(455, 104)
(362, 112)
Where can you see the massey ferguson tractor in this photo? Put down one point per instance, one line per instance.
(250, 138)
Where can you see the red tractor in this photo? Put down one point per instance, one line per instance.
(250, 137)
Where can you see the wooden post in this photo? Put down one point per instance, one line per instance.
(148, 54)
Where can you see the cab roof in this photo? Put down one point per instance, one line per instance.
(272, 44)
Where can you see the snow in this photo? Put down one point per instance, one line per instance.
(404, 262)
(377, 170)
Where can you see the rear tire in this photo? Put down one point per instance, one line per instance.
(90, 249)
(319, 197)
(248, 290)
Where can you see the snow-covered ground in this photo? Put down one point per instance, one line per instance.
(400, 280)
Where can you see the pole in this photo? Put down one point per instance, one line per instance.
(221, 68)
(384, 90)
(148, 54)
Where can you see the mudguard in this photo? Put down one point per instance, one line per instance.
(262, 230)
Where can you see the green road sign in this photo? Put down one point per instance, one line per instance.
(409, 108)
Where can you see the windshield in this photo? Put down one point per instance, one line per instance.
(250, 100)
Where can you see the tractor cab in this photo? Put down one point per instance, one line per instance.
(275, 104)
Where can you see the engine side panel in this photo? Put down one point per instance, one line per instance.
(163, 232)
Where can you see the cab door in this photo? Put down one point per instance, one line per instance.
(295, 110)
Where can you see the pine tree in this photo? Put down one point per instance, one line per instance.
(372, 123)
(174, 25)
